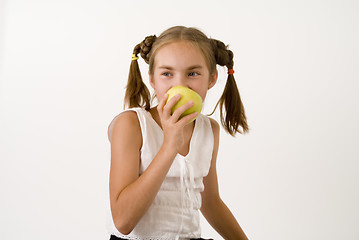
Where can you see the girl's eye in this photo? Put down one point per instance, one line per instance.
(193, 74)
(166, 74)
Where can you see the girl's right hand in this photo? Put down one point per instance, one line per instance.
(173, 125)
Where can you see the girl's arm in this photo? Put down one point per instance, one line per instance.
(130, 194)
(213, 208)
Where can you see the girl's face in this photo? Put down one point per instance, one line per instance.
(181, 63)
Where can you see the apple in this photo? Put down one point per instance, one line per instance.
(186, 96)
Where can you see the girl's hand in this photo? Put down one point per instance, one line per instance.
(173, 125)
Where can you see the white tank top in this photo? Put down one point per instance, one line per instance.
(174, 213)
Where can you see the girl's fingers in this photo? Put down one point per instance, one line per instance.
(164, 110)
(162, 102)
(179, 111)
(169, 105)
(188, 118)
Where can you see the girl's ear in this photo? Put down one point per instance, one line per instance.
(213, 79)
(152, 82)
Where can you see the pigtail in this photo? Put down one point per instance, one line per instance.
(231, 108)
(232, 111)
(137, 93)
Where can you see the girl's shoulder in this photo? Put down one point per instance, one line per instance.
(126, 121)
(215, 126)
(216, 130)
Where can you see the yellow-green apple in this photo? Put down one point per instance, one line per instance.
(186, 96)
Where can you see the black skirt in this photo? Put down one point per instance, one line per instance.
(113, 237)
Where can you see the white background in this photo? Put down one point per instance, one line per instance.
(64, 67)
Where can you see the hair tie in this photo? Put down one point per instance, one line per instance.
(134, 57)
(230, 71)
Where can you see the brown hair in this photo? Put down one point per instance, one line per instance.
(215, 52)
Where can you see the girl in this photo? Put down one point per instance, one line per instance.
(163, 167)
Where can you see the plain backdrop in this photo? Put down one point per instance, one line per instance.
(63, 70)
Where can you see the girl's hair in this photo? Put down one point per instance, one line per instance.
(215, 52)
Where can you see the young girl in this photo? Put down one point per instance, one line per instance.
(163, 167)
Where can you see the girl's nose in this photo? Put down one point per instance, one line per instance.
(181, 81)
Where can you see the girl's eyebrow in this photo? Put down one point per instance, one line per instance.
(195, 67)
(189, 68)
(165, 67)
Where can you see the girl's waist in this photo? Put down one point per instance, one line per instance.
(171, 200)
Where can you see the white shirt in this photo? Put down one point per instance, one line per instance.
(174, 213)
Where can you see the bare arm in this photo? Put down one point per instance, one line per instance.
(130, 194)
(213, 208)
